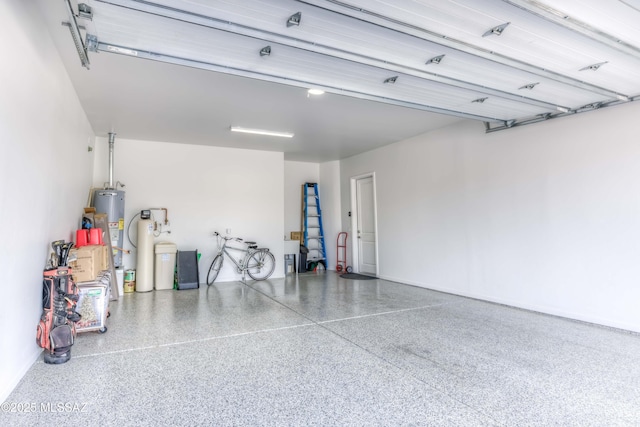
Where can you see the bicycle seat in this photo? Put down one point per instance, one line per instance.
(252, 245)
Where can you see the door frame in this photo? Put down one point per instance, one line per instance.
(355, 255)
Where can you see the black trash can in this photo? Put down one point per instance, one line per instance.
(302, 264)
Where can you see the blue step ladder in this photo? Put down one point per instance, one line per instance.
(312, 230)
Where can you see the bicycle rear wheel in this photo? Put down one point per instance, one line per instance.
(216, 265)
(261, 264)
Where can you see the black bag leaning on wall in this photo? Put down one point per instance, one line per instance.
(187, 270)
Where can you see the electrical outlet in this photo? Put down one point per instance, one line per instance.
(228, 231)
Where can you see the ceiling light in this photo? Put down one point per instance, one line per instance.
(623, 98)
(262, 132)
(562, 109)
(315, 91)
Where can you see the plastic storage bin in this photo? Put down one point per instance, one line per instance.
(165, 265)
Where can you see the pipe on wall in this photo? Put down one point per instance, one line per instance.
(112, 138)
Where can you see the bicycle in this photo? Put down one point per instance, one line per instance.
(259, 263)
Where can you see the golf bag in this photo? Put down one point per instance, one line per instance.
(56, 330)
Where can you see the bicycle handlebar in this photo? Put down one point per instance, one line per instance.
(237, 239)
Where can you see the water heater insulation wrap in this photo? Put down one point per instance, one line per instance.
(144, 268)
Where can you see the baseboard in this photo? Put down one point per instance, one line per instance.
(7, 388)
(611, 323)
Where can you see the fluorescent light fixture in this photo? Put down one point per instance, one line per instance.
(315, 92)
(562, 109)
(262, 132)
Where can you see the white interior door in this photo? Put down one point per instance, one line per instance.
(366, 225)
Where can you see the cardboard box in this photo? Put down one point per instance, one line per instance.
(296, 235)
(89, 261)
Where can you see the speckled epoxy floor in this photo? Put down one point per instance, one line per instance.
(320, 350)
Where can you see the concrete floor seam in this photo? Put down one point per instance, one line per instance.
(179, 343)
(364, 316)
(377, 356)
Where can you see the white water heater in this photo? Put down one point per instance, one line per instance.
(111, 202)
(144, 267)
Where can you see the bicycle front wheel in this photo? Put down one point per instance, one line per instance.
(261, 264)
(216, 265)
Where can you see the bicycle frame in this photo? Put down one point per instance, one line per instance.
(241, 264)
(258, 263)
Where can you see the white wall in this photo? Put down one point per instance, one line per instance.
(45, 169)
(205, 189)
(544, 217)
(330, 198)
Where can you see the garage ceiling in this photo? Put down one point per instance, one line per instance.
(389, 69)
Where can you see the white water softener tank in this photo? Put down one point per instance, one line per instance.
(144, 267)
